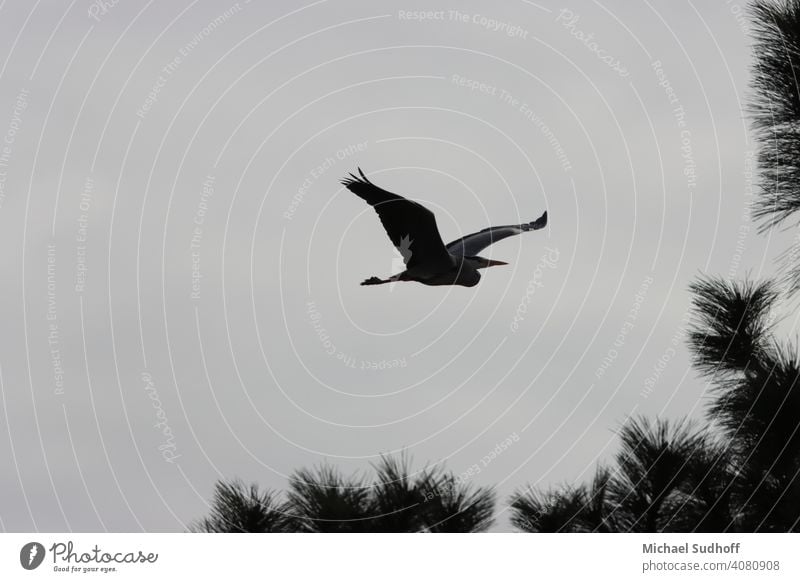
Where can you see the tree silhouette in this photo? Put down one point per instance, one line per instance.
(458, 508)
(565, 509)
(776, 116)
(236, 508)
(398, 497)
(322, 500)
(705, 502)
(666, 477)
(756, 397)
(397, 500)
(660, 467)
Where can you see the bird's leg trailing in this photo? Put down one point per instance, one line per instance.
(373, 281)
(378, 281)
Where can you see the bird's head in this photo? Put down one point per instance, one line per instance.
(467, 276)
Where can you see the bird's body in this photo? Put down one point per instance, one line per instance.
(412, 229)
(463, 272)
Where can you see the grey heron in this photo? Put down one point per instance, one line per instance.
(412, 230)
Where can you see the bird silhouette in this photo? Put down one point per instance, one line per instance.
(412, 229)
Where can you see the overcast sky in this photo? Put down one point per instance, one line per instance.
(181, 298)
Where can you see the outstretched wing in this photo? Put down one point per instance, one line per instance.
(410, 226)
(472, 244)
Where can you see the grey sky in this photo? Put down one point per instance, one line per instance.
(146, 129)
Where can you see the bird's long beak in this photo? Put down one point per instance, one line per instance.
(493, 263)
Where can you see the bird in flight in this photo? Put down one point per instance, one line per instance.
(412, 230)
